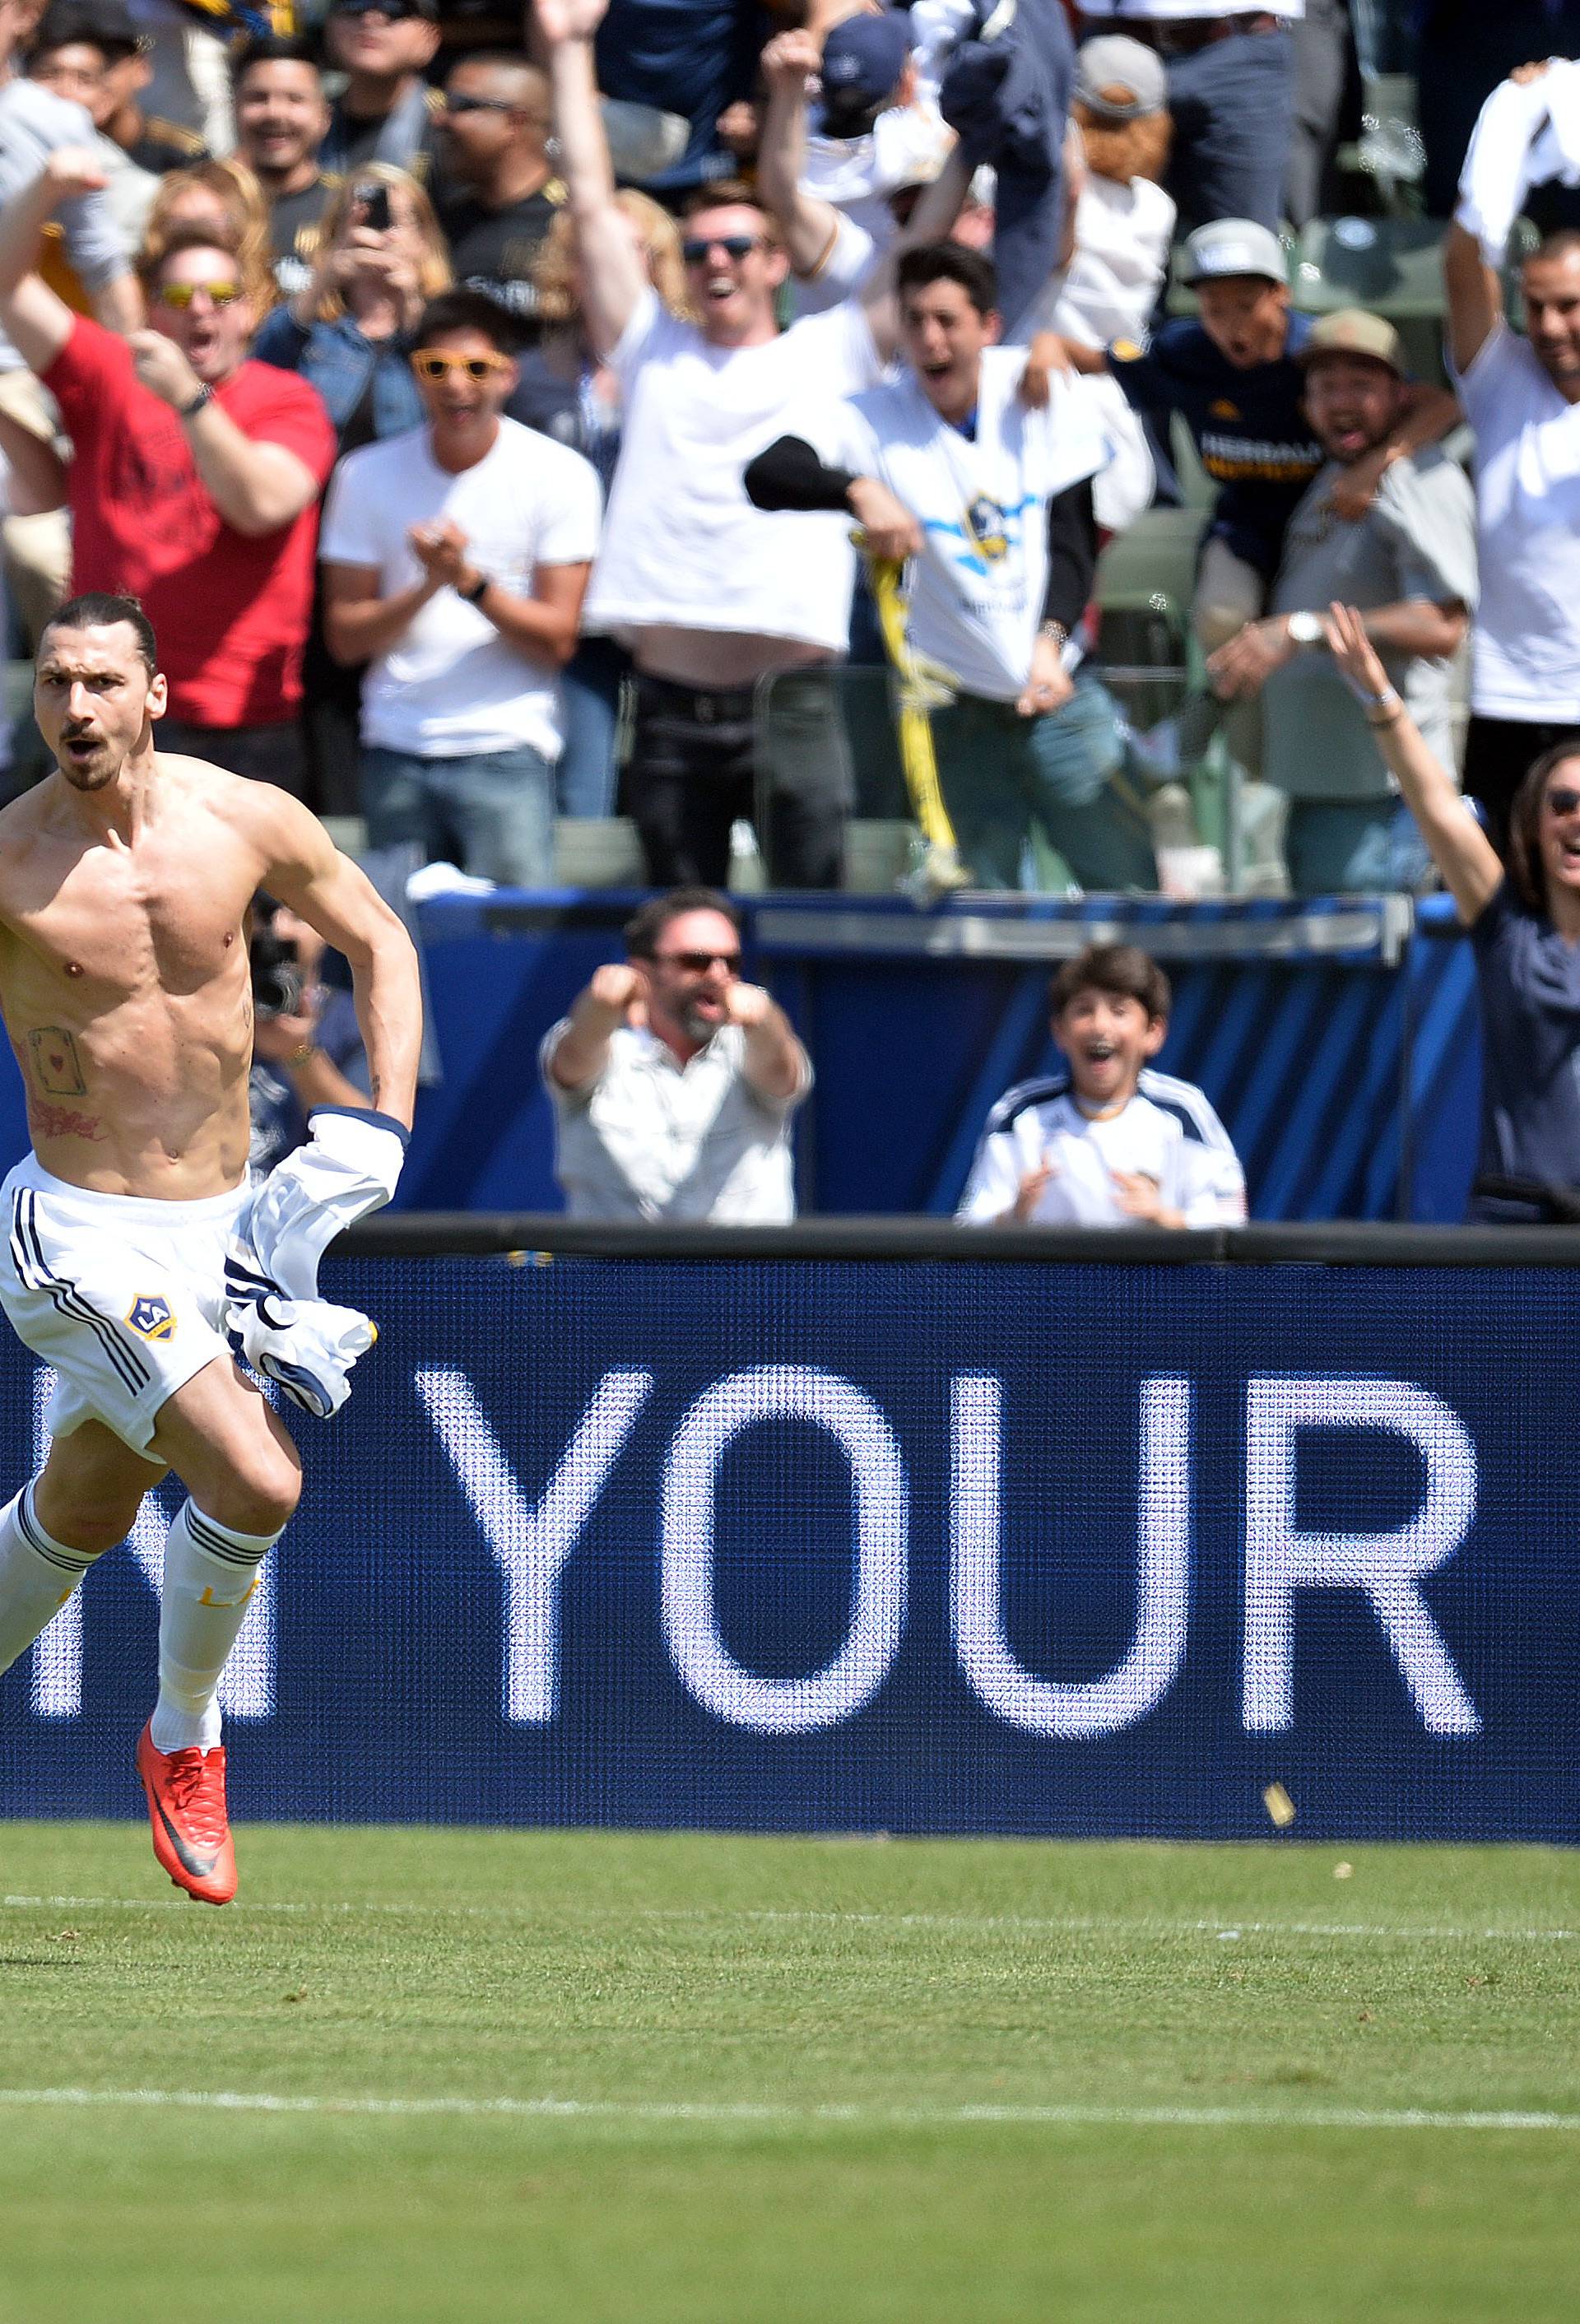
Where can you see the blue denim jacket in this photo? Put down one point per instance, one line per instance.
(339, 362)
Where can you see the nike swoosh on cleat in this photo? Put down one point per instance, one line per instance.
(199, 1867)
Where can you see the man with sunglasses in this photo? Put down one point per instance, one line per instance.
(386, 110)
(194, 480)
(732, 615)
(455, 561)
(493, 130)
(672, 1082)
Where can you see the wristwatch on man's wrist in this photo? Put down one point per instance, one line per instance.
(1305, 630)
(194, 405)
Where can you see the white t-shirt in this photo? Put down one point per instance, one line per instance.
(1526, 643)
(682, 544)
(1181, 11)
(846, 265)
(1167, 1133)
(976, 591)
(450, 686)
(904, 146)
(1123, 234)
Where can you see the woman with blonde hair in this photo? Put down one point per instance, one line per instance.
(381, 257)
(225, 200)
(566, 391)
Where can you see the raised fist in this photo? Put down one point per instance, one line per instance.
(562, 21)
(747, 1005)
(616, 986)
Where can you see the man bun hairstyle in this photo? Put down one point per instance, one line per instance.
(469, 310)
(949, 262)
(101, 609)
(1125, 971)
(644, 928)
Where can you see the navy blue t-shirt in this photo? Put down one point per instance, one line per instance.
(691, 57)
(1249, 432)
(1528, 977)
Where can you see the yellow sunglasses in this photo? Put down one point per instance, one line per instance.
(433, 362)
(180, 295)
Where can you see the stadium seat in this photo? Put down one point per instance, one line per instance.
(598, 852)
(878, 853)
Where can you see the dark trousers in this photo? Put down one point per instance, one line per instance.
(1497, 754)
(698, 764)
(265, 754)
(1233, 107)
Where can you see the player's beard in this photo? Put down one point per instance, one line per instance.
(94, 774)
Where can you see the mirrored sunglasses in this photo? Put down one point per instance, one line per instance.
(433, 362)
(180, 295)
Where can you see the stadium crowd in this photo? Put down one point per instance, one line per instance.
(717, 417)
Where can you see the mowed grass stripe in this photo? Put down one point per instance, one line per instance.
(756, 2113)
(1152, 1924)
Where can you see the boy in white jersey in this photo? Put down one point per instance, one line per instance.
(1109, 1142)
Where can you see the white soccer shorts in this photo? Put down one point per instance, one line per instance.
(124, 1297)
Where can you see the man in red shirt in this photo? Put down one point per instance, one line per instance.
(196, 478)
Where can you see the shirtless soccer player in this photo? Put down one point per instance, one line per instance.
(126, 879)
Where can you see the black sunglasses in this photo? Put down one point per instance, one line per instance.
(698, 963)
(734, 246)
(477, 105)
(1563, 802)
(395, 12)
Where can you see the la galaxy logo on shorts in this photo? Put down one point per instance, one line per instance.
(151, 1315)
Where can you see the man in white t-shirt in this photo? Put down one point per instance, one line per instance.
(1108, 1142)
(721, 606)
(989, 505)
(455, 559)
(1522, 398)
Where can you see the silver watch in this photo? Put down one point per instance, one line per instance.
(1305, 630)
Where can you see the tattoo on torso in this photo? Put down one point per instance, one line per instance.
(62, 1122)
(56, 1063)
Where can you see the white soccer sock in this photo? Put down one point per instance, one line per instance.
(210, 1572)
(38, 1573)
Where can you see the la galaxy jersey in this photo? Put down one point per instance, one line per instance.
(1168, 1133)
(976, 591)
(1248, 427)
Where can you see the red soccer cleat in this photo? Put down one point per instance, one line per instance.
(186, 1807)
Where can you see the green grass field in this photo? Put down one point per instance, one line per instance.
(594, 2076)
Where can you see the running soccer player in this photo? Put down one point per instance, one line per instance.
(133, 1241)
(1110, 1141)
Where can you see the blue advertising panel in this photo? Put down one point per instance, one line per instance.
(919, 1546)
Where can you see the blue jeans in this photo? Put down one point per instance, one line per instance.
(492, 814)
(1353, 847)
(1001, 773)
(1233, 107)
(584, 780)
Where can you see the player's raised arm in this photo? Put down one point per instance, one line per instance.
(307, 872)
